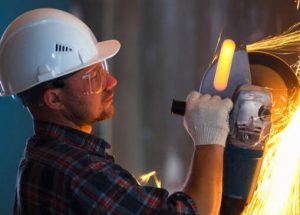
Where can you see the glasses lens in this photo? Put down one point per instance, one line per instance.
(95, 80)
(104, 65)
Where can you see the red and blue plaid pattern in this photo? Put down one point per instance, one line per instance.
(66, 171)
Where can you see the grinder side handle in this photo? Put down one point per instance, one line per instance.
(178, 107)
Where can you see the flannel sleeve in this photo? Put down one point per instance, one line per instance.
(109, 189)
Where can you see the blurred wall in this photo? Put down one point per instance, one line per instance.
(16, 125)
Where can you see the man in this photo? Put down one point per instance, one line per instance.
(53, 63)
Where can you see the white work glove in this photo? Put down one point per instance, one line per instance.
(206, 118)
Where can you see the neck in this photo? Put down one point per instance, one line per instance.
(84, 128)
(61, 120)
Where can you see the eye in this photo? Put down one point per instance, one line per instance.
(86, 76)
(97, 75)
(95, 80)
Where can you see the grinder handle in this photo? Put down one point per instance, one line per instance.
(178, 107)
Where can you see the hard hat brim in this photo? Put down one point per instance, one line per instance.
(107, 49)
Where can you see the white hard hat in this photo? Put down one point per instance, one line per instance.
(44, 44)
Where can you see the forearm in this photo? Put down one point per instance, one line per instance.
(206, 120)
(204, 183)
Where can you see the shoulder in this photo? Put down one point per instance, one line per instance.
(62, 156)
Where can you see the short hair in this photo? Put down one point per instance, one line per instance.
(34, 95)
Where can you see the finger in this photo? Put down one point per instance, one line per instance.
(215, 99)
(192, 96)
(204, 98)
(228, 104)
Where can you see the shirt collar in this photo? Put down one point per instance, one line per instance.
(71, 136)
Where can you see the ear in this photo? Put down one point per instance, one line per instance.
(52, 98)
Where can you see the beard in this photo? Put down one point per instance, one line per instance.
(81, 113)
(107, 113)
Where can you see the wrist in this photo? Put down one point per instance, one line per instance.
(216, 136)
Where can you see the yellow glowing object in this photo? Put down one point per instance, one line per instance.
(144, 179)
(224, 65)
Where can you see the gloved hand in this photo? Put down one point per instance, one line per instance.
(206, 118)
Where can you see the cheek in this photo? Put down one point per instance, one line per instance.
(94, 102)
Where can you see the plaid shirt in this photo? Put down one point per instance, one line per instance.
(66, 171)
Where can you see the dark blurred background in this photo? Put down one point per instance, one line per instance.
(166, 47)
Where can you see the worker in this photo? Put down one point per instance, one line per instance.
(52, 62)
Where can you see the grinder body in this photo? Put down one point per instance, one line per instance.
(250, 124)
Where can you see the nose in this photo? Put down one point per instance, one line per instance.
(111, 82)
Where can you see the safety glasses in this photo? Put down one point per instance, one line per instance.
(95, 79)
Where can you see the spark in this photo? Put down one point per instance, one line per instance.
(144, 179)
(278, 187)
(297, 66)
(278, 183)
(286, 43)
